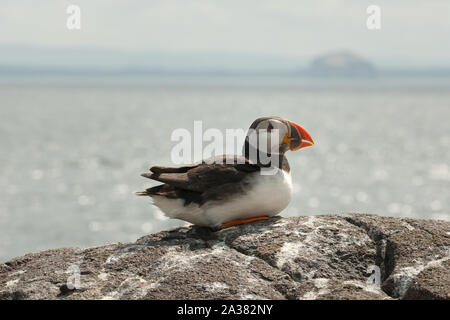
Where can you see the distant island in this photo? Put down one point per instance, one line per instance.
(341, 64)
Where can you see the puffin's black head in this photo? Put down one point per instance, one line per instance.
(289, 135)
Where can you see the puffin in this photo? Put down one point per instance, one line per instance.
(229, 190)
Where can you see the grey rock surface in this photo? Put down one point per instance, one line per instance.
(307, 257)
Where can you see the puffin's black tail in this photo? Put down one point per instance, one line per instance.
(141, 193)
(149, 191)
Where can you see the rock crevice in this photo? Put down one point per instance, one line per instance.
(406, 248)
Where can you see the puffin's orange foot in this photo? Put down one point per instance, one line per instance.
(241, 221)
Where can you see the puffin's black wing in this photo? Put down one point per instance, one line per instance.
(204, 176)
(201, 182)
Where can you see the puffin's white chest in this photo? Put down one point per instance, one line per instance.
(265, 195)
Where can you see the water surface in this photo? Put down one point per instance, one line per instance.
(72, 149)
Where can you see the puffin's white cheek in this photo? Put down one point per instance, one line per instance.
(275, 140)
(269, 142)
(274, 146)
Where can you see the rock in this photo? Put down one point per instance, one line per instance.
(413, 254)
(317, 257)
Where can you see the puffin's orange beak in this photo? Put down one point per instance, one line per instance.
(300, 138)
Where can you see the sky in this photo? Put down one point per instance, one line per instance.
(414, 33)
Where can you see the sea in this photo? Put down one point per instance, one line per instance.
(73, 148)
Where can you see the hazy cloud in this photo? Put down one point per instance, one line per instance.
(413, 32)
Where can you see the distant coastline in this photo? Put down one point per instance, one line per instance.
(28, 61)
(52, 71)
